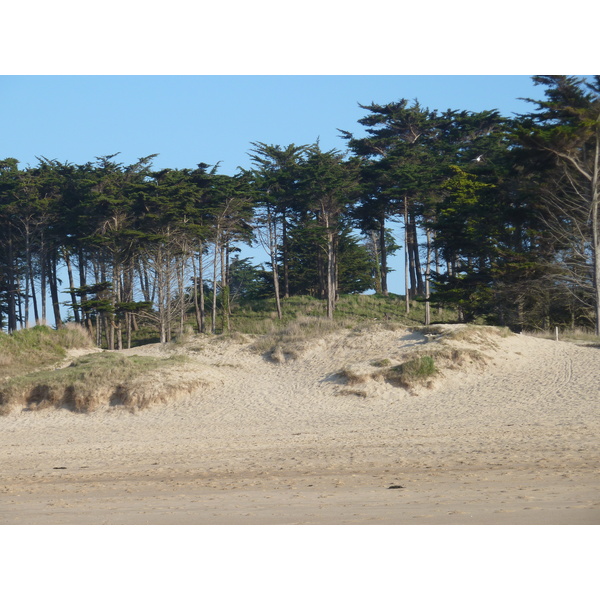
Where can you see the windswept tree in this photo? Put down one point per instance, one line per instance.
(329, 186)
(561, 142)
(10, 247)
(396, 167)
(228, 210)
(274, 181)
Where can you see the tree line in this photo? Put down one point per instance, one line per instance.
(499, 221)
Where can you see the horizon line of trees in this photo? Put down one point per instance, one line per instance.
(499, 221)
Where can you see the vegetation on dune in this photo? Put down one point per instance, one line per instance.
(448, 349)
(38, 347)
(99, 379)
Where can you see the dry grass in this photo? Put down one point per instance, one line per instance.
(295, 339)
(575, 335)
(101, 379)
(420, 367)
(39, 347)
(357, 374)
(477, 335)
(383, 362)
(417, 369)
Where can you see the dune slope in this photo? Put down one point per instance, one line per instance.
(508, 437)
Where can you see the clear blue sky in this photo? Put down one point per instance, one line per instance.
(192, 119)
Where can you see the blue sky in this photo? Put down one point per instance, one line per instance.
(192, 119)
(199, 83)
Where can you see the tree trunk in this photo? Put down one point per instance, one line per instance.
(419, 287)
(377, 260)
(331, 275)
(67, 260)
(595, 216)
(181, 260)
(272, 227)
(82, 283)
(43, 274)
(36, 314)
(116, 324)
(225, 308)
(54, 290)
(383, 256)
(199, 310)
(214, 283)
(11, 287)
(286, 270)
(161, 291)
(406, 266)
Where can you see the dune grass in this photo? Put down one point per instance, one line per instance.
(104, 378)
(575, 335)
(260, 317)
(293, 340)
(304, 321)
(415, 370)
(421, 367)
(38, 347)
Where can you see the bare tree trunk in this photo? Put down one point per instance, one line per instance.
(54, 291)
(383, 256)
(67, 260)
(217, 252)
(377, 260)
(11, 292)
(427, 278)
(36, 314)
(272, 227)
(595, 218)
(43, 272)
(406, 265)
(161, 292)
(26, 299)
(181, 260)
(286, 270)
(199, 311)
(225, 308)
(419, 286)
(29, 285)
(331, 269)
(116, 324)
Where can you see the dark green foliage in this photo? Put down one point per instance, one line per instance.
(501, 219)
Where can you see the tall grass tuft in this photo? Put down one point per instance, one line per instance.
(415, 370)
(38, 347)
(295, 339)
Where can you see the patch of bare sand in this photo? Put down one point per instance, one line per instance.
(514, 441)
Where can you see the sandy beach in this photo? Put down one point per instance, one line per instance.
(511, 441)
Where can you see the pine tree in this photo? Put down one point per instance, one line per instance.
(562, 141)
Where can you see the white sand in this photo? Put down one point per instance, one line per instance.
(515, 442)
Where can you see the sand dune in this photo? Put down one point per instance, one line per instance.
(511, 439)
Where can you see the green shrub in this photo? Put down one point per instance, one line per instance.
(414, 370)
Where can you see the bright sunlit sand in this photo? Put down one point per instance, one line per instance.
(507, 436)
